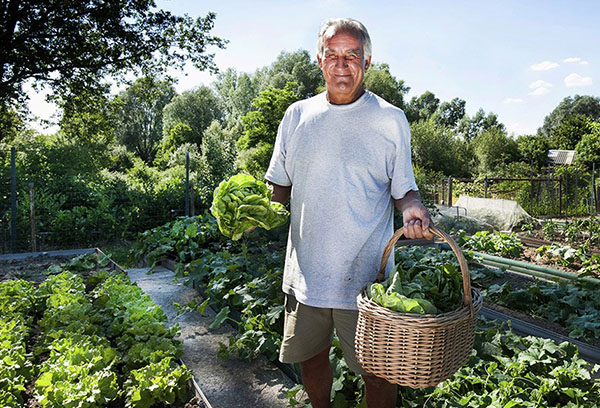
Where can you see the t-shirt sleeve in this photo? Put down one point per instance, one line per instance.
(403, 178)
(276, 173)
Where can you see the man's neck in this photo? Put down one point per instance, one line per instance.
(345, 101)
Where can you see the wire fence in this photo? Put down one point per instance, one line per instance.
(569, 194)
(39, 212)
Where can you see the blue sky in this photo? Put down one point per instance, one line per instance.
(518, 59)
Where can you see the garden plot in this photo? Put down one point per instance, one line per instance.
(81, 335)
(243, 279)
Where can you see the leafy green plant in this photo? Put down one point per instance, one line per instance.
(420, 289)
(242, 202)
(550, 229)
(499, 243)
(157, 384)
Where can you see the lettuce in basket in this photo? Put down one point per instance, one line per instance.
(421, 289)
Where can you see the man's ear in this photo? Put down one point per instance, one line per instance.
(367, 63)
(319, 60)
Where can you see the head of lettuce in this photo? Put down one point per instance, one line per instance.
(243, 202)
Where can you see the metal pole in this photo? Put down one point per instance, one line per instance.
(449, 191)
(13, 201)
(4, 231)
(192, 209)
(32, 244)
(559, 196)
(187, 184)
(594, 196)
(485, 187)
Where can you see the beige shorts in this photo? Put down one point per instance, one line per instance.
(309, 330)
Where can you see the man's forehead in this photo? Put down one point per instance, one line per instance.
(345, 41)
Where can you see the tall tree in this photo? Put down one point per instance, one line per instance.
(471, 127)
(196, 108)
(236, 91)
(588, 148)
(422, 107)
(260, 128)
(295, 67)
(588, 106)
(493, 147)
(450, 113)
(379, 79)
(140, 111)
(570, 131)
(73, 46)
(533, 149)
(435, 147)
(76, 44)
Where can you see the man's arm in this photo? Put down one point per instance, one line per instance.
(415, 216)
(280, 193)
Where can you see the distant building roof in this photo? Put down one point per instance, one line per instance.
(561, 157)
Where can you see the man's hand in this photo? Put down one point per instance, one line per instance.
(415, 216)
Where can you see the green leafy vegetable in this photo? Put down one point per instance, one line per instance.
(419, 287)
(242, 202)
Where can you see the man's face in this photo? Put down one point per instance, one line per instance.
(343, 65)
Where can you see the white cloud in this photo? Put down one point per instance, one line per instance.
(577, 80)
(572, 59)
(544, 66)
(539, 84)
(512, 100)
(583, 63)
(540, 91)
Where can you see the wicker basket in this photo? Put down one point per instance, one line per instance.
(416, 350)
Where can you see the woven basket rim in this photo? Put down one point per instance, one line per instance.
(364, 301)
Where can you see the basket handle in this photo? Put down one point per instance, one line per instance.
(467, 297)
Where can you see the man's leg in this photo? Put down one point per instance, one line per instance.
(317, 379)
(380, 393)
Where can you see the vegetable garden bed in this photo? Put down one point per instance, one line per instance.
(81, 335)
(505, 370)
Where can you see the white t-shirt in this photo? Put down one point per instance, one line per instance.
(344, 163)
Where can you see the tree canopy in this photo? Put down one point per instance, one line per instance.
(75, 44)
(140, 107)
(588, 106)
(379, 79)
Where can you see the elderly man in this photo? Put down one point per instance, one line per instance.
(343, 159)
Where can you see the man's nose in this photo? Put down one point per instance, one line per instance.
(341, 63)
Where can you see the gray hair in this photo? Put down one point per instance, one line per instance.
(334, 26)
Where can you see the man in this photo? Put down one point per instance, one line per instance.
(343, 158)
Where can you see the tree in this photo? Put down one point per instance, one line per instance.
(493, 147)
(140, 110)
(295, 67)
(533, 149)
(435, 148)
(570, 131)
(587, 150)
(450, 113)
(196, 109)
(217, 161)
(471, 127)
(260, 128)
(378, 79)
(236, 91)
(588, 106)
(421, 108)
(75, 44)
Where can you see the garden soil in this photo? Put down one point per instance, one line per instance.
(226, 383)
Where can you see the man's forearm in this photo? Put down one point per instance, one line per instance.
(408, 198)
(280, 193)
